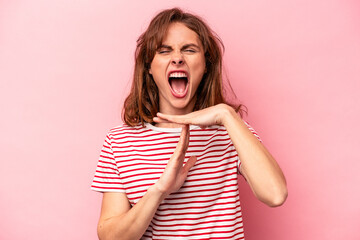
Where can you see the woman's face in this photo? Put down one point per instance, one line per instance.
(177, 69)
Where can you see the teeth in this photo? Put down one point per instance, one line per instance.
(178, 75)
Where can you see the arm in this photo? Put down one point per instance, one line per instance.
(257, 165)
(119, 221)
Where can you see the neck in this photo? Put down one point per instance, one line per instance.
(168, 125)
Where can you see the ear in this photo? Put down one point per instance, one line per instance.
(150, 72)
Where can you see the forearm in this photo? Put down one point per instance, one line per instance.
(258, 166)
(260, 169)
(133, 223)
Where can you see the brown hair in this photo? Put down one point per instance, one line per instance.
(142, 104)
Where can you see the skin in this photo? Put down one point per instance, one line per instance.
(181, 51)
(117, 219)
(258, 166)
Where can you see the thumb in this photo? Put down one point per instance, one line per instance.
(189, 164)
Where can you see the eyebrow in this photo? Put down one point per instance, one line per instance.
(164, 46)
(184, 47)
(191, 45)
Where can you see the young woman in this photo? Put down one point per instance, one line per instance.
(171, 171)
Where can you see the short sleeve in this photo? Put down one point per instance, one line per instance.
(107, 176)
(253, 131)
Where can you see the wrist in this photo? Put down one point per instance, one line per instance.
(227, 114)
(156, 191)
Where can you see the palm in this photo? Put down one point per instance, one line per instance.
(175, 173)
(205, 117)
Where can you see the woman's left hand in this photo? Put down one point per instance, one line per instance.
(206, 117)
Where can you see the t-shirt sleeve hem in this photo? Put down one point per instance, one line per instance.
(102, 190)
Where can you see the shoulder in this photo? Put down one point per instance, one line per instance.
(124, 132)
(125, 129)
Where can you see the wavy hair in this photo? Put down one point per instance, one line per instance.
(142, 103)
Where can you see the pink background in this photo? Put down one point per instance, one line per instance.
(64, 71)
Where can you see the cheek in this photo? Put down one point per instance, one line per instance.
(199, 67)
(154, 65)
(158, 67)
(156, 73)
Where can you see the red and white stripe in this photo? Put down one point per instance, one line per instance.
(206, 207)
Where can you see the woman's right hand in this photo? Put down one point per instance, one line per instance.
(176, 172)
(118, 220)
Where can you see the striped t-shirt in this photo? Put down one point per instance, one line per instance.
(207, 206)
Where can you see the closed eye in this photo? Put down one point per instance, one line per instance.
(190, 50)
(163, 51)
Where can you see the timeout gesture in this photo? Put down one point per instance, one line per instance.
(215, 115)
(176, 172)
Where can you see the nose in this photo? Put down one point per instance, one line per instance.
(177, 58)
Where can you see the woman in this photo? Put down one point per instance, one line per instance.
(157, 185)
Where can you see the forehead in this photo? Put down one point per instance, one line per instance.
(180, 34)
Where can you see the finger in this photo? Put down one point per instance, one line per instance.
(178, 157)
(181, 119)
(187, 137)
(183, 141)
(189, 164)
(160, 120)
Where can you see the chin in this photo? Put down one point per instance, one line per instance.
(183, 107)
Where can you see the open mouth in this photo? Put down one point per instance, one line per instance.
(178, 82)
